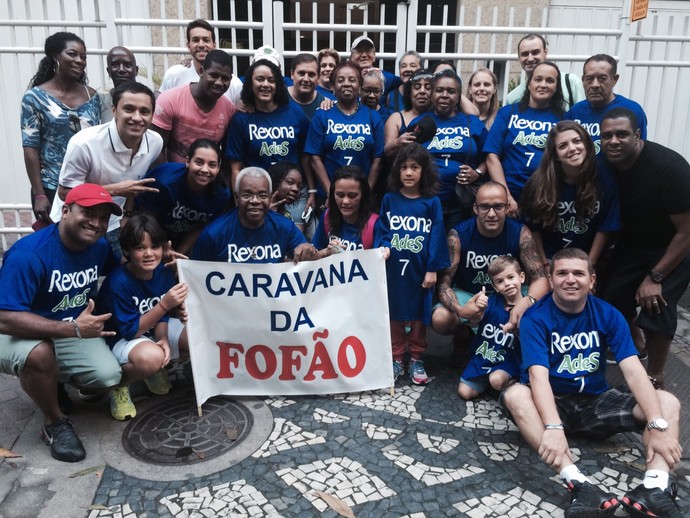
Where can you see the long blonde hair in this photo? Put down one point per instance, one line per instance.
(493, 103)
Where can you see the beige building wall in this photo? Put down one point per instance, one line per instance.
(174, 36)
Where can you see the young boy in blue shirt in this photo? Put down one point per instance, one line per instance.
(496, 358)
(140, 294)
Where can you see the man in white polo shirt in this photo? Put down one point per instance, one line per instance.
(115, 155)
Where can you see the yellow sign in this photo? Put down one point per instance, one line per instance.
(638, 10)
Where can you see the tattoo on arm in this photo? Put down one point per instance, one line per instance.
(529, 257)
(446, 295)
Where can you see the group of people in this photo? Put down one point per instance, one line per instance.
(493, 222)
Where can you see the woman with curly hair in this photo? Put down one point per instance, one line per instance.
(57, 105)
(518, 135)
(568, 201)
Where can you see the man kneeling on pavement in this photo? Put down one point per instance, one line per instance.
(564, 339)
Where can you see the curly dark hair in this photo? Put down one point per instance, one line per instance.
(428, 182)
(540, 196)
(281, 97)
(54, 44)
(335, 217)
(557, 102)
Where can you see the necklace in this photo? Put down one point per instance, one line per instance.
(337, 104)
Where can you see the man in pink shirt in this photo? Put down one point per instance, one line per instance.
(196, 110)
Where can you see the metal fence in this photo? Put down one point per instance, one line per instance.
(654, 53)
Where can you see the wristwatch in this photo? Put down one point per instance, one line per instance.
(658, 424)
(656, 276)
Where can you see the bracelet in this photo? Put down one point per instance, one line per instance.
(534, 301)
(554, 427)
(40, 196)
(312, 191)
(160, 303)
(77, 331)
(479, 171)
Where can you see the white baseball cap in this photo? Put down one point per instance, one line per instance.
(360, 40)
(269, 54)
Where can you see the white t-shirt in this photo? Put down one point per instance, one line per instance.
(178, 75)
(98, 155)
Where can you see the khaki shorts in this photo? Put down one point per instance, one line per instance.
(86, 363)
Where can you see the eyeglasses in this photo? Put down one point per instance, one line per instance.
(372, 91)
(484, 208)
(248, 196)
(74, 121)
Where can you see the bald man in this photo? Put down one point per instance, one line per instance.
(121, 66)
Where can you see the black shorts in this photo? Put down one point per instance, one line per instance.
(625, 273)
(598, 416)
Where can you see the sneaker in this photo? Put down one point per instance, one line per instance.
(64, 444)
(64, 402)
(121, 406)
(652, 502)
(417, 373)
(398, 370)
(588, 501)
(90, 396)
(158, 383)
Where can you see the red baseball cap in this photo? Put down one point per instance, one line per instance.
(90, 194)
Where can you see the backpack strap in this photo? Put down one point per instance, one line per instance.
(571, 101)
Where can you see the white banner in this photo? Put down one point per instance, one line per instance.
(316, 327)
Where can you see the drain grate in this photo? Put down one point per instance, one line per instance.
(171, 433)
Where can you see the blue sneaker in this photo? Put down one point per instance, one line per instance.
(417, 373)
(398, 370)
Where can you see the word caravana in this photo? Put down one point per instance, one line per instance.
(288, 283)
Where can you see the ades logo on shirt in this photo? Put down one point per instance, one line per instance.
(449, 138)
(539, 131)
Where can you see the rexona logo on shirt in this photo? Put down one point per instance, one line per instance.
(145, 305)
(410, 224)
(449, 138)
(351, 142)
(587, 346)
(539, 131)
(63, 282)
(242, 254)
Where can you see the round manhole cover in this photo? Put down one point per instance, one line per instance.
(173, 434)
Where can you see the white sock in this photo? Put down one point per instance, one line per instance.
(655, 478)
(572, 474)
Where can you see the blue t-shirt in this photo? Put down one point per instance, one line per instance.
(383, 112)
(477, 251)
(575, 232)
(573, 347)
(395, 101)
(341, 139)
(326, 93)
(226, 240)
(590, 118)
(40, 275)
(413, 230)
(128, 297)
(349, 236)
(176, 206)
(493, 348)
(459, 140)
(519, 139)
(261, 139)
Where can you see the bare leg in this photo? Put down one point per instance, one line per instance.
(144, 360)
(39, 379)
(658, 346)
(670, 410)
(443, 321)
(518, 400)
